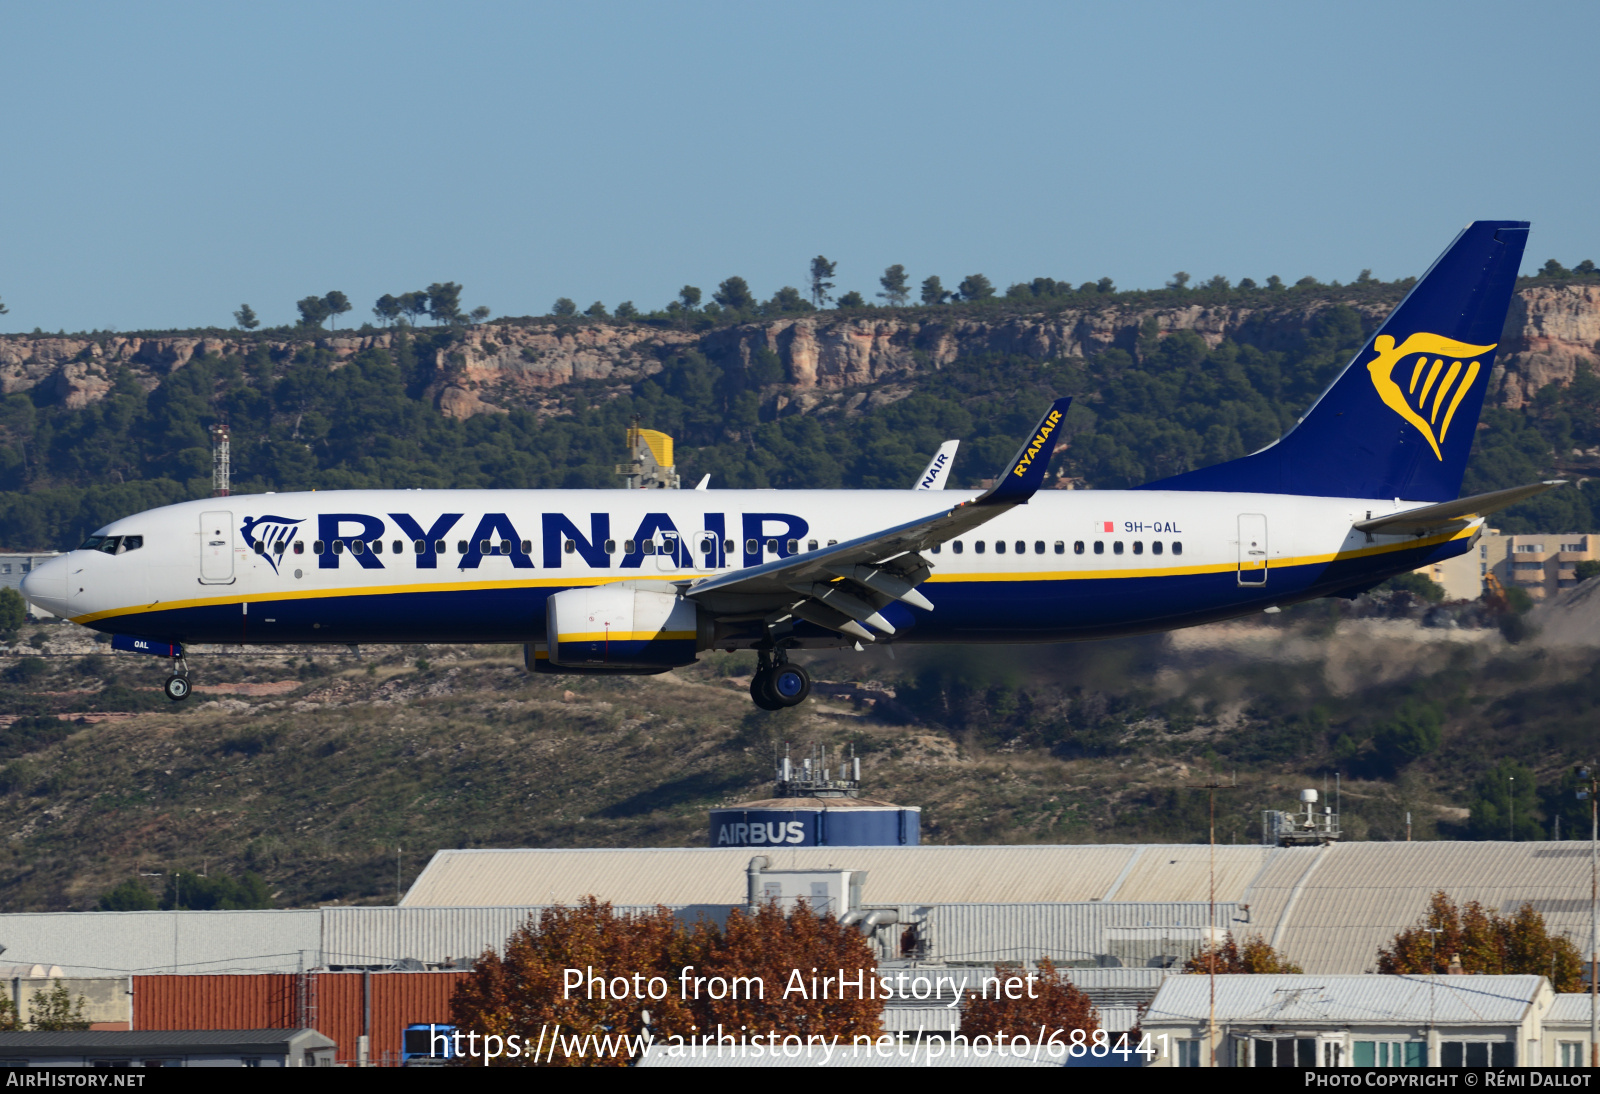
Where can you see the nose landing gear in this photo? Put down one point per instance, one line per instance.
(177, 685)
(778, 684)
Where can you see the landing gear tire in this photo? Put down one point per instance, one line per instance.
(761, 691)
(790, 684)
(177, 688)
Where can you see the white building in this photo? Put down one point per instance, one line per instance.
(1352, 1021)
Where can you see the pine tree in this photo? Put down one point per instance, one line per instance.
(895, 289)
(246, 317)
(821, 279)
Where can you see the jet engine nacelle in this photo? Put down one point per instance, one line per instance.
(624, 627)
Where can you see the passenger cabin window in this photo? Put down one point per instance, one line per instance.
(957, 547)
(1116, 547)
(338, 546)
(833, 543)
(772, 546)
(461, 546)
(647, 547)
(527, 546)
(1177, 548)
(377, 546)
(727, 546)
(752, 546)
(611, 546)
(1155, 548)
(316, 547)
(1077, 547)
(1038, 547)
(299, 547)
(978, 546)
(1138, 546)
(811, 545)
(794, 546)
(999, 546)
(937, 547)
(569, 546)
(261, 547)
(1099, 546)
(398, 546)
(1022, 548)
(483, 546)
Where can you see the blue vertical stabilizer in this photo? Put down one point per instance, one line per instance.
(1399, 420)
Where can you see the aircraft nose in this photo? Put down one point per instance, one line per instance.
(46, 586)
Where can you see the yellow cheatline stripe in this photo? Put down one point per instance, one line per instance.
(590, 580)
(625, 636)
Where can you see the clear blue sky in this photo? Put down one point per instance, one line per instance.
(164, 162)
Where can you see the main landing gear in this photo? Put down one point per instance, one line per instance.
(177, 685)
(777, 683)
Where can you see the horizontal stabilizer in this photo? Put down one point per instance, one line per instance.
(1449, 514)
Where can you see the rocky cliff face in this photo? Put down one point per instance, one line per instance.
(1549, 330)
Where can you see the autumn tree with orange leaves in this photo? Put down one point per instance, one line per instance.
(794, 950)
(524, 992)
(1257, 956)
(1059, 1006)
(1486, 942)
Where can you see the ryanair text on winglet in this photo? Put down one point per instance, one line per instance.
(1049, 427)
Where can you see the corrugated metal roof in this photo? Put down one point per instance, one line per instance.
(1360, 894)
(1318, 1000)
(711, 875)
(211, 1040)
(97, 943)
(1065, 933)
(1329, 909)
(1569, 1009)
(332, 1000)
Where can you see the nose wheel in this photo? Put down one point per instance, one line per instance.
(778, 684)
(177, 685)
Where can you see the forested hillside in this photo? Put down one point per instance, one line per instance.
(1164, 383)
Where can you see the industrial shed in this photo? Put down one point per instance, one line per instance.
(1329, 908)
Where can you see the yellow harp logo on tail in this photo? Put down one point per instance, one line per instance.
(1431, 386)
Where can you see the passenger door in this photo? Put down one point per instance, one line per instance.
(1252, 549)
(216, 548)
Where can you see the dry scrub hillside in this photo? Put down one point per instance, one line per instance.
(311, 769)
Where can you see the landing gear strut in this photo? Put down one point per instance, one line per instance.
(777, 683)
(177, 685)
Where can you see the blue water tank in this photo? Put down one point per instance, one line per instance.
(816, 822)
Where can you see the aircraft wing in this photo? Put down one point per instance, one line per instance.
(847, 585)
(934, 476)
(1451, 514)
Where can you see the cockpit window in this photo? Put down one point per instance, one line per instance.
(112, 545)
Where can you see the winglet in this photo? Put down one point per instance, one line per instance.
(1026, 472)
(938, 470)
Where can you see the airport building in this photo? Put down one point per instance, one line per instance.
(1543, 564)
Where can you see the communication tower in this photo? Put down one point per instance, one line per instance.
(1300, 829)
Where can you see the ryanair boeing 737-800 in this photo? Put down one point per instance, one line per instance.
(614, 581)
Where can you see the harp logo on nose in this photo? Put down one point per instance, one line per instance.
(1427, 394)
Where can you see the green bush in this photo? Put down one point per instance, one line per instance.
(13, 611)
(130, 896)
